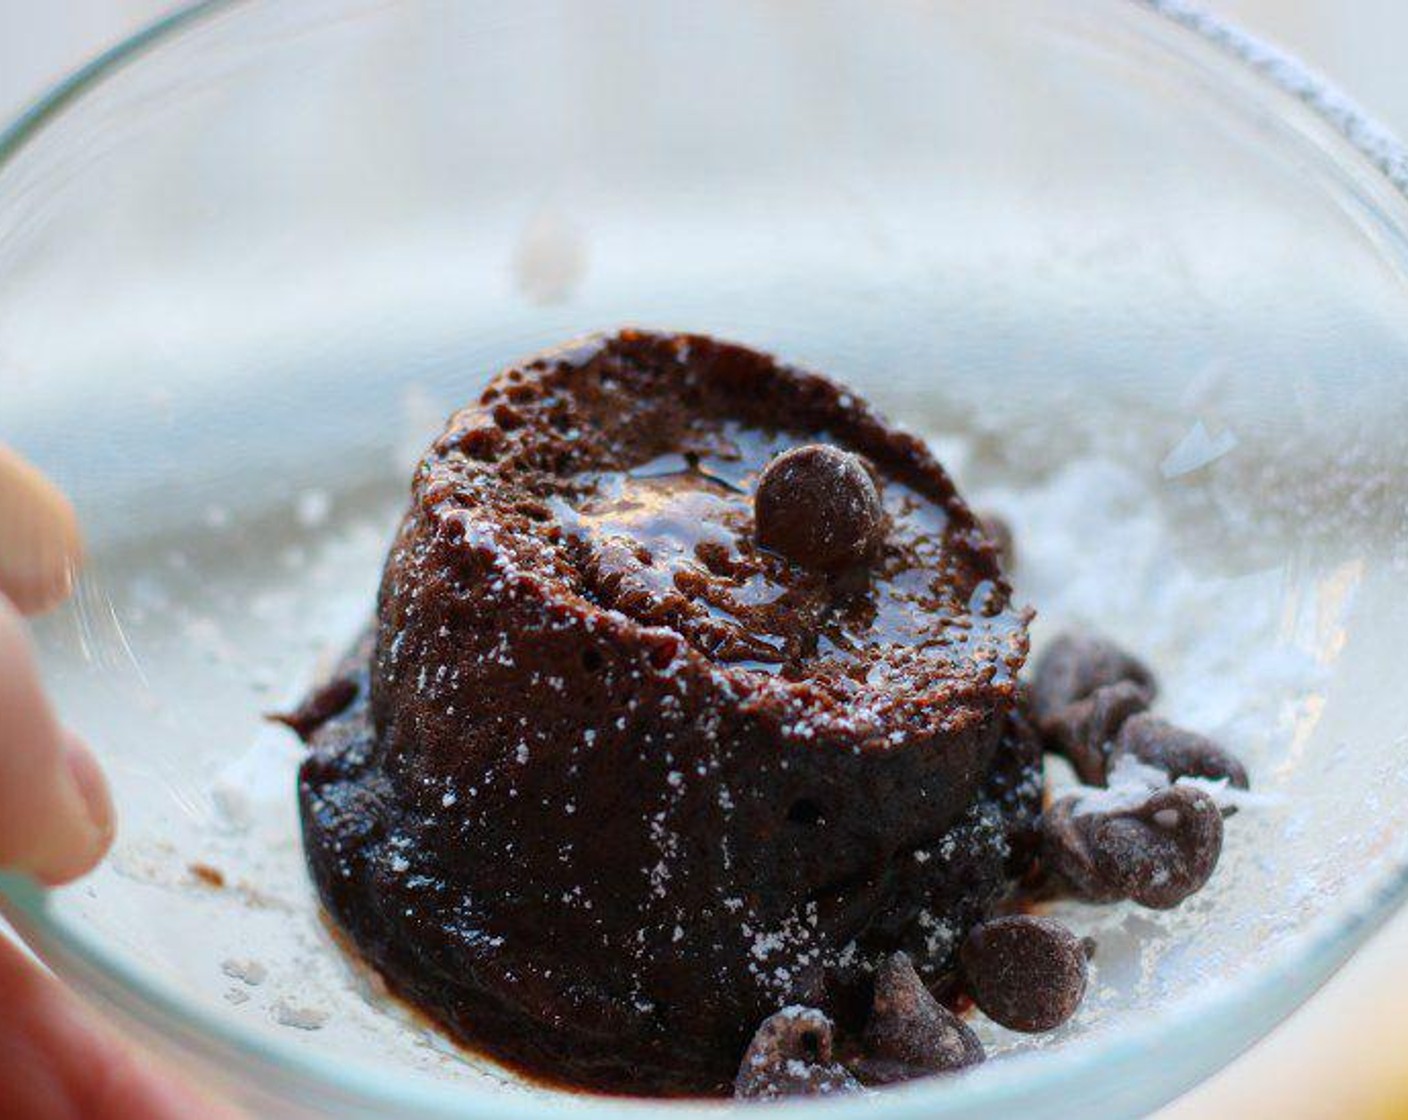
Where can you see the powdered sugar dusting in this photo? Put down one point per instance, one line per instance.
(1097, 548)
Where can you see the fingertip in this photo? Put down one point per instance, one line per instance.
(41, 589)
(41, 545)
(81, 827)
(56, 814)
(92, 840)
(92, 786)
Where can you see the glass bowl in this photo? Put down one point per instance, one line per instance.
(1141, 281)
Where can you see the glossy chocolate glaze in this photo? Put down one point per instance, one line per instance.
(617, 783)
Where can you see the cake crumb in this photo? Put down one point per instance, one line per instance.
(207, 875)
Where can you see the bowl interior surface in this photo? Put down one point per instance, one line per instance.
(1147, 306)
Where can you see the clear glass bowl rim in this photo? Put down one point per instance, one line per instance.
(1358, 145)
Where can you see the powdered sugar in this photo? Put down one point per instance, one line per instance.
(1102, 545)
(1095, 551)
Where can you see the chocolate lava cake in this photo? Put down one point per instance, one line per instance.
(691, 696)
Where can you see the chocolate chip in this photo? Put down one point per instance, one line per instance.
(999, 532)
(1178, 753)
(1065, 851)
(1163, 852)
(1026, 973)
(321, 705)
(1074, 666)
(818, 506)
(1085, 730)
(1154, 847)
(910, 1033)
(791, 1056)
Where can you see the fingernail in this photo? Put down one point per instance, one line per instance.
(92, 787)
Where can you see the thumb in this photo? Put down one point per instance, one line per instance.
(56, 1063)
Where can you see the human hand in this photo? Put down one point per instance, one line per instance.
(56, 822)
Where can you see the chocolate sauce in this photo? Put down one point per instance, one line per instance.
(673, 542)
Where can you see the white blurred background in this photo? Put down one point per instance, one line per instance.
(1342, 1054)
